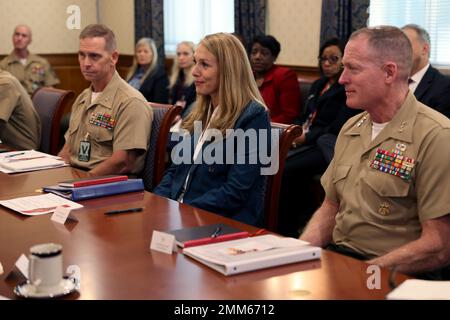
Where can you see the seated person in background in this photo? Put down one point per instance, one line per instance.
(110, 123)
(325, 112)
(428, 85)
(387, 185)
(230, 188)
(20, 126)
(31, 70)
(181, 84)
(279, 86)
(147, 75)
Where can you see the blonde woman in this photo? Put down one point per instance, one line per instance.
(181, 82)
(146, 74)
(227, 98)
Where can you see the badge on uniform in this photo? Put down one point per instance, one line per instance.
(394, 162)
(84, 154)
(102, 120)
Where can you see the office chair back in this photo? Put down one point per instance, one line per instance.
(50, 104)
(155, 160)
(287, 134)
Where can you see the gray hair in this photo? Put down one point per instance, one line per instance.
(100, 31)
(423, 34)
(391, 43)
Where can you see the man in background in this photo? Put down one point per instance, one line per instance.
(110, 123)
(428, 85)
(31, 70)
(20, 125)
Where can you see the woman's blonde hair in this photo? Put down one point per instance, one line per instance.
(151, 45)
(188, 78)
(237, 86)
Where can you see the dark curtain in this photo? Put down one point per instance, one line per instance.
(249, 18)
(341, 17)
(149, 22)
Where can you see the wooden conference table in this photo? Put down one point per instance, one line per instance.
(116, 263)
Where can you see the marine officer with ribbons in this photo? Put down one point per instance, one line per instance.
(387, 187)
(110, 123)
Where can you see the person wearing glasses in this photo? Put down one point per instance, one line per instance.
(324, 114)
(278, 85)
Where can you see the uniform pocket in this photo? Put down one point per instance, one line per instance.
(339, 177)
(386, 199)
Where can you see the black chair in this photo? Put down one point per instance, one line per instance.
(50, 104)
(155, 160)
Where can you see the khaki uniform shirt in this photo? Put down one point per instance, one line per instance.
(119, 119)
(35, 74)
(20, 125)
(379, 211)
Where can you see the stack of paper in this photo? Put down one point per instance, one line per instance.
(37, 205)
(237, 256)
(28, 160)
(413, 289)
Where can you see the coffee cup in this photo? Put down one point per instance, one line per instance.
(46, 267)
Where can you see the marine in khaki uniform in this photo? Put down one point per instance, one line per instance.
(20, 126)
(387, 186)
(31, 70)
(110, 123)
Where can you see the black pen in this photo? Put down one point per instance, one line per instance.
(216, 232)
(124, 211)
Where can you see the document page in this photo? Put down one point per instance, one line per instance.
(37, 205)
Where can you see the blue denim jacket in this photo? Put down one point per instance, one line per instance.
(233, 190)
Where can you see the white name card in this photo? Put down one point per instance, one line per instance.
(163, 242)
(22, 265)
(61, 214)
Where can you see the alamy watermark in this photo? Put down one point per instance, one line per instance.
(74, 19)
(250, 146)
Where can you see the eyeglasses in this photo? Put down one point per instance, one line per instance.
(331, 60)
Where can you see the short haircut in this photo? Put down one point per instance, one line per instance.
(389, 43)
(423, 34)
(100, 31)
(269, 42)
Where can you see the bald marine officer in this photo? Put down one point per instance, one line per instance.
(20, 125)
(31, 70)
(110, 122)
(387, 186)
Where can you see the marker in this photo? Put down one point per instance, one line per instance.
(124, 211)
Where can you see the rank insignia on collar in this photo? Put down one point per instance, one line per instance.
(384, 209)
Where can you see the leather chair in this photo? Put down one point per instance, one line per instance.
(50, 104)
(272, 193)
(155, 160)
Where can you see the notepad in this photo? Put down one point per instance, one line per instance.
(254, 253)
(28, 160)
(414, 289)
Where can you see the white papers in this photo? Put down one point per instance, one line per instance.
(28, 160)
(413, 289)
(163, 242)
(236, 256)
(37, 205)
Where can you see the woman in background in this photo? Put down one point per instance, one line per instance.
(278, 85)
(227, 98)
(324, 115)
(146, 74)
(181, 82)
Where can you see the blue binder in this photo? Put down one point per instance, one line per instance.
(97, 191)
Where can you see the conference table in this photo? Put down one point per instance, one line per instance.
(114, 257)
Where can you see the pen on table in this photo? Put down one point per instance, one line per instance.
(14, 155)
(216, 232)
(124, 211)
